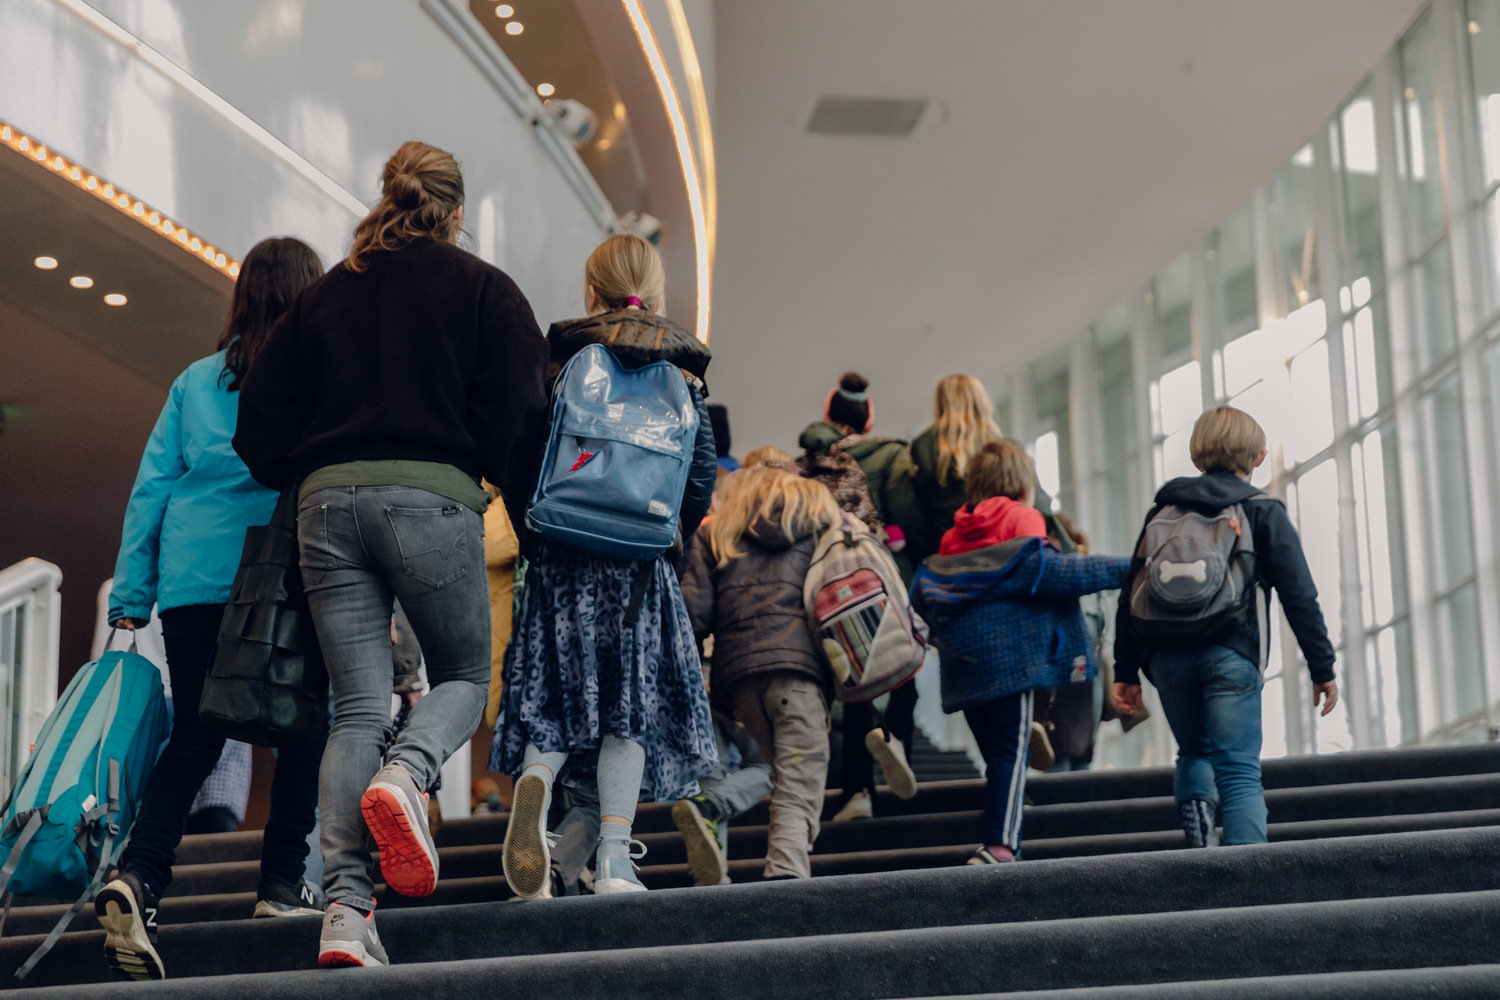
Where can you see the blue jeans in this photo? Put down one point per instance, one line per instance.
(1002, 728)
(1211, 697)
(361, 547)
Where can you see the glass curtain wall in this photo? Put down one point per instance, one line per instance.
(1352, 305)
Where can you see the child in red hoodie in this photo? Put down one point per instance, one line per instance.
(1003, 607)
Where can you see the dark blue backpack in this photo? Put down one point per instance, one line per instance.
(618, 454)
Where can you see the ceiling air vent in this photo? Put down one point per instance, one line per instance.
(892, 117)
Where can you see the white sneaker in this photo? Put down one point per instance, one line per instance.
(618, 875)
(859, 806)
(525, 858)
(891, 757)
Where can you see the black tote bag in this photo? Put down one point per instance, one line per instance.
(268, 685)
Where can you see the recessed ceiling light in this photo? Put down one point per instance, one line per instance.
(114, 299)
(45, 263)
(514, 28)
(81, 281)
(546, 89)
(505, 10)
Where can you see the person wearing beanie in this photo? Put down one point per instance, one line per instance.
(888, 503)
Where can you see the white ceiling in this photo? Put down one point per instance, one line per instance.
(1087, 142)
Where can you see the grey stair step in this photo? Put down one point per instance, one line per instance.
(1294, 939)
(1039, 893)
(1465, 982)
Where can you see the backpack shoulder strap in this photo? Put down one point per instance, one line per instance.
(106, 849)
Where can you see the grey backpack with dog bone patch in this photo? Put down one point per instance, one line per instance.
(1197, 581)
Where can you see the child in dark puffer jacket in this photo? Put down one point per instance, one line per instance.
(743, 585)
(1003, 608)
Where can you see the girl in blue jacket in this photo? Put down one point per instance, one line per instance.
(184, 529)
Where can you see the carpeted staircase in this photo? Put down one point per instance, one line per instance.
(1382, 880)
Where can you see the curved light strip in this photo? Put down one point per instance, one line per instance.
(702, 121)
(684, 143)
(14, 139)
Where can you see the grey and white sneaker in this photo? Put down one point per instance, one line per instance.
(127, 912)
(859, 806)
(891, 757)
(701, 837)
(525, 857)
(349, 938)
(614, 876)
(395, 810)
(277, 899)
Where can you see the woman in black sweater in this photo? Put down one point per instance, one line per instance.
(386, 391)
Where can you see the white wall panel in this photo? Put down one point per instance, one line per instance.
(341, 83)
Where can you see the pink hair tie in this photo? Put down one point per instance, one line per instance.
(634, 300)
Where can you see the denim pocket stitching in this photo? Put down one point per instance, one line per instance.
(313, 575)
(395, 516)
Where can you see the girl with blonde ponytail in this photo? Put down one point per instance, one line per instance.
(620, 702)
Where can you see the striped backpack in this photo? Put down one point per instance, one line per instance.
(66, 820)
(860, 615)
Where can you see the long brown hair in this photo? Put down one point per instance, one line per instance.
(271, 275)
(964, 419)
(421, 188)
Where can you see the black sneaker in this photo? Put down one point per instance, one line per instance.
(277, 899)
(127, 912)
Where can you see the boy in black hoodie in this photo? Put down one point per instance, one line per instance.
(1210, 684)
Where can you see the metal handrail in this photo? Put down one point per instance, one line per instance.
(29, 591)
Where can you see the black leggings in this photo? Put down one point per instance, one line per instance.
(859, 719)
(191, 634)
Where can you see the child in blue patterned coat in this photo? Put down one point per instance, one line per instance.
(1003, 607)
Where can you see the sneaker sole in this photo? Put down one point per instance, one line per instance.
(525, 857)
(346, 954)
(617, 887)
(408, 863)
(264, 908)
(127, 948)
(898, 773)
(704, 857)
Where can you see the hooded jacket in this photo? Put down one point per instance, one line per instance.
(993, 522)
(888, 471)
(637, 338)
(1279, 565)
(192, 500)
(753, 606)
(1005, 618)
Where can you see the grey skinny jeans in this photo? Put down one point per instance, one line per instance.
(362, 547)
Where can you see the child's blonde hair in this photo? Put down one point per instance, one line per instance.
(964, 418)
(1000, 469)
(1226, 438)
(766, 492)
(767, 455)
(623, 268)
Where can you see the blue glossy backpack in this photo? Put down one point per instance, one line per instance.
(617, 458)
(66, 820)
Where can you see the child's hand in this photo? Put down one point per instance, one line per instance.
(1327, 693)
(1128, 698)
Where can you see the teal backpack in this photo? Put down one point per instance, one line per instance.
(66, 820)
